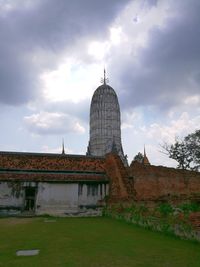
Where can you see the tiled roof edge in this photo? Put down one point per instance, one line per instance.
(49, 154)
(51, 171)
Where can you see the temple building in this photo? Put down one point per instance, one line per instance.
(105, 122)
(62, 184)
(71, 185)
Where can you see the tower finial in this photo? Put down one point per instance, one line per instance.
(145, 160)
(104, 80)
(63, 147)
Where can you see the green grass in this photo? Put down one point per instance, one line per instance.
(91, 242)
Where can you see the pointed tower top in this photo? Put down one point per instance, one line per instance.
(63, 147)
(144, 151)
(145, 159)
(104, 80)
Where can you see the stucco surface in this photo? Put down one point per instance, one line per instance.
(105, 122)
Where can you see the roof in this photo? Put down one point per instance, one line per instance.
(51, 167)
(52, 176)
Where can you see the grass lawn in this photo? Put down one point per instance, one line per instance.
(91, 242)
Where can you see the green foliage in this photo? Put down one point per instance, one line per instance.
(186, 152)
(165, 209)
(189, 207)
(139, 157)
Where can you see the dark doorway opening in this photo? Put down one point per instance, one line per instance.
(30, 193)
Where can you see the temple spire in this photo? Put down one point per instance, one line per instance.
(144, 151)
(145, 159)
(104, 80)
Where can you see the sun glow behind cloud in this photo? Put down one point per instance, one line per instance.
(75, 81)
(125, 44)
(71, 81)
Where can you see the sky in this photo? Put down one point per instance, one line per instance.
(52, 56)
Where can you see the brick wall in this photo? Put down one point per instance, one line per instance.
(157, 183)
(121, 184)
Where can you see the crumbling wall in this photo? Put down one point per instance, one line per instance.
(121, 183)
(157, 183)
(11, 197)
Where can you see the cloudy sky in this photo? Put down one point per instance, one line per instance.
(52, 55)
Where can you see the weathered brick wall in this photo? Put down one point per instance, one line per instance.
(121, 186)
(28, 161)
(143, 183)
(195, 220)
(156, 183)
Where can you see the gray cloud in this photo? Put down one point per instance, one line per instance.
(166, 71)
(80, 110)
(28, 31)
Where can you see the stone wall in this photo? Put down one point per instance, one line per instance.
(157, 183)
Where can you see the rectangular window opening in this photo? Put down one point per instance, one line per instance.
(92, 190)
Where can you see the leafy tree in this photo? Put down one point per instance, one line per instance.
(186, 152)
(139, 157)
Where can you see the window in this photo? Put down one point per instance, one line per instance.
(92, 190)
(101, 193)
(80, 189)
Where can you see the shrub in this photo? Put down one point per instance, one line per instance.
(165, 209)
(189, 207)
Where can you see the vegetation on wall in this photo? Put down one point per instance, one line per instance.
(163, 217)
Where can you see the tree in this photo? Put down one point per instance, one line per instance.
(186, 152)
(139, 157)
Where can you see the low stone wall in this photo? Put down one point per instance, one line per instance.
(140, 215)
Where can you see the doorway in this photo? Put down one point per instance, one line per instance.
(30, 194)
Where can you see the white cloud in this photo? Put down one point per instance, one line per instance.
(179, 127)
(153, 135)
(98, 49)
(71, 81)
(53, 123)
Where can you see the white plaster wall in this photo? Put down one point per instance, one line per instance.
(89, 200)
(8, 199)
(57, 198)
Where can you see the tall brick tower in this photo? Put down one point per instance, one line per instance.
(105, 122)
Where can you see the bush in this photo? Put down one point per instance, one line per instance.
(165, 209)
(190, 207)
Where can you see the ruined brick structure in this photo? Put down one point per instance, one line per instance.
(157, 183)
(71, 184)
